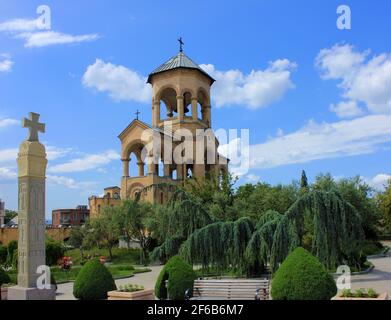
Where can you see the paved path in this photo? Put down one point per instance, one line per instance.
(380, 278)
(147, 279)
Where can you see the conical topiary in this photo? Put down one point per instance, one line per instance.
(302, 277)
(180, 276)
(93, 282)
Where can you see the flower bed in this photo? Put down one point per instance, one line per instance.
(131, 292)
(361, 294)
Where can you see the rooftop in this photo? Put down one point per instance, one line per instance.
(176, 62)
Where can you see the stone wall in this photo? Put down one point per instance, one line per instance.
(9, 234)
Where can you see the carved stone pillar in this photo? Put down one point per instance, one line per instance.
(31, 218)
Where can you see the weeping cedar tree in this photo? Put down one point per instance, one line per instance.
(220, 245)
(180, 218)
(334, 225)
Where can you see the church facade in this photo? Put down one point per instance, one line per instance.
(180, 144)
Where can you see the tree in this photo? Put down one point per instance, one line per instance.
(105, 228)
(383, 201)
(78, 238)
(9, 215)
(359, 194)
(303, 182)
(132, 220)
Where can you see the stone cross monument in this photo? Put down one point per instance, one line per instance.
(31, 217)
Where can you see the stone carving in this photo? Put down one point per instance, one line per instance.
(31, 247)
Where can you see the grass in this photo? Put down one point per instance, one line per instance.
(120, 255)
(118, 271)
(120, 267)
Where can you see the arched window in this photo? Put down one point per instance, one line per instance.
(168, 109)
(174, 174)
(187, 103)
(189, 171)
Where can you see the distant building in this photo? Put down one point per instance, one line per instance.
(2, 212)
(70, 217)
(110, 198)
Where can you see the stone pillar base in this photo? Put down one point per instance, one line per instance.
(20, 293)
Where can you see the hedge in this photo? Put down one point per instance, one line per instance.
(93, 282)
(180, 276)
(302, 277)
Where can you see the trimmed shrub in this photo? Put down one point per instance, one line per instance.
(54, 251)
(93, 282)
(180, 276)
(302, 277)
(4, 277)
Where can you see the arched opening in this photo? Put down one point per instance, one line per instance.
(189, 171)
(203, 101)
(174, 175)
(187, 103)
(168, 109)
(199, 111)
(160, 168)
(133, 167)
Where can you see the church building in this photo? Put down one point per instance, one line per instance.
(181, 111)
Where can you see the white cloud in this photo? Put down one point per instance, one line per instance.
(53, 153)
(257, 89)
(6, 122)
(34, 36)
(88, 162)
(8, 155)
(7, 173)
(6, 63)
(18, 25)
(252, 178)
(68, 182)
(118, 81)
(323, 141)
(363, 78)
(346, 109)
(48, 38)
(378, 182)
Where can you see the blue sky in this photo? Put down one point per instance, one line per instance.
(313, 97)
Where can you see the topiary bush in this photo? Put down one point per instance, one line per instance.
(54, 251)
(302, 277)
(180, 276)
(4, 277)
(93, 282)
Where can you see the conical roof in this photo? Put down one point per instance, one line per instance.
(179, 61)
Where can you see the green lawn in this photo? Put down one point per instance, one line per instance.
(121, 265)
(118, 271)
(120, 256)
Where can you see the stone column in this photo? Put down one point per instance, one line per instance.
(155, 113)
(140, 169)
(167, 170)
(179, 171)
(206, 115)
(31, 216)
(125, 167)
(194, 102)
(180, 108)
